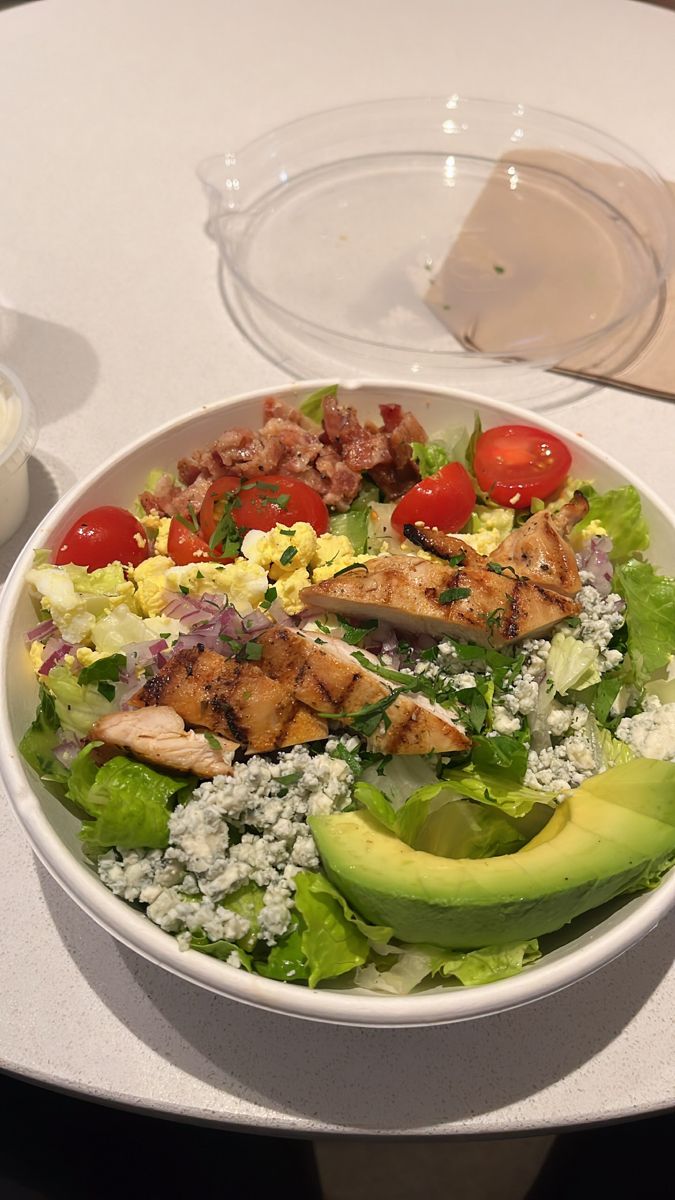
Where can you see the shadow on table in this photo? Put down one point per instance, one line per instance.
(378, 1079)
(57, 365)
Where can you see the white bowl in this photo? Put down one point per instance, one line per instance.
(52, 830)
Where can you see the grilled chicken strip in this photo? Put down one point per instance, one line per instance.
(233, 698)
(158, 735)
(440, 599)
(537, 550)
(324, 674)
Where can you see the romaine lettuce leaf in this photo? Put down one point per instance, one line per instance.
(77, 705)
(352, 524)
(41, 738)
(128, 801)
(287, 960)
(335, 940)
(312, 407)
(572, 664)
(77, 598)
(247, 901)
(433, 819)
(221, 949)
(472, 967)
(430, 457)
(515, 799)
(469, 967)
(620, 512)
(499, 752)
(650, 616)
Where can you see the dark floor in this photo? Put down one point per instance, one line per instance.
(54, 1147)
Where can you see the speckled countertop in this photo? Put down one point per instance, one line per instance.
(110, 313)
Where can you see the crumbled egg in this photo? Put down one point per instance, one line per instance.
(321, 554)
(244, 583)
(581, 537)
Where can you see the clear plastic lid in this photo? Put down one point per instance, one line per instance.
(459, 241)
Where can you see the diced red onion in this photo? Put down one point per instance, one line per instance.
(43, 630)
(594, 559)
(66, 751)
(55, 652)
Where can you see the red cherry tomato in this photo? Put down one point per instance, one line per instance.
(265, 502)
(185, 547)
(514, 463)
(444, 501)
(102, 536)
(212, 508)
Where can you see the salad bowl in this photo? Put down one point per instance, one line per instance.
(570, 955)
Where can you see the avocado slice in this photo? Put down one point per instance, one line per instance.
(607, 837)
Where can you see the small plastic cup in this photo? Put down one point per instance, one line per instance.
(18, 434)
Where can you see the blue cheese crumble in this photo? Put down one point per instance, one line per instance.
(247, 827)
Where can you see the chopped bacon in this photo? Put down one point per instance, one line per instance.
(274, 407)
(359, 448)
(330, 460)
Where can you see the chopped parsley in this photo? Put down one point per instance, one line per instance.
(213, 741)
(253, 652)
(183, 589)
(353, 634)
(498, 569)
(351, 567)
(367, 719)
(454, 593)
(104, 669)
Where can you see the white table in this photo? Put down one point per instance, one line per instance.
(113, 319)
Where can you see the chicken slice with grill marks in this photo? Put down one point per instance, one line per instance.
(158, 735)
(326, 676)
(235, 699)
(537, 550)
(441, 599)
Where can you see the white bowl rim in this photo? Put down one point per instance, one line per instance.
(345, 1007)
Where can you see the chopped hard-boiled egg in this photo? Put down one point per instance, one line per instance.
(244, 583)
(581, 537)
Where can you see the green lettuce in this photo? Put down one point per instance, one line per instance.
(572, 665)
(128, 801)
(650, 616)
(515, 799)
(335, 940)
(247, 902)
(312, 407)
(221, 949)
(77, 705)
(353, 525)
(77, 598)
(40, 739)
(430, 457)
(620, 513)
(435, 820)
(287, 960)
(468, 967)
(473, 967)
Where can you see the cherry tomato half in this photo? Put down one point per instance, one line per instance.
(265, 502)
(443, 501)
(514, 463)
(212, 507)
(185, 547)
(102, 536)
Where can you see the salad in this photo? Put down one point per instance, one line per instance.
(338, 700)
